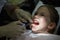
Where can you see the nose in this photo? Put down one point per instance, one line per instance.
(35, 17)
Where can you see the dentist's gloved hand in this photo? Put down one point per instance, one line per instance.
(23, 15)
(12, 30)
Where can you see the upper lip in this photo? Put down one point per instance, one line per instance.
(35, 21)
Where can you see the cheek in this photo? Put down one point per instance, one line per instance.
(43, 22)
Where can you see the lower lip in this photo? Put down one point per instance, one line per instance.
(36, 23)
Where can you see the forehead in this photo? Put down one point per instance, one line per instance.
(43, 10)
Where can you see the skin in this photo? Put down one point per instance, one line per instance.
(40, 22)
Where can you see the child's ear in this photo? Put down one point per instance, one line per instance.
(52, 25)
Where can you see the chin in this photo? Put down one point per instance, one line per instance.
(34, 30)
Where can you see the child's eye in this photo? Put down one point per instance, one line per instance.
(41, 14)
(35, 14)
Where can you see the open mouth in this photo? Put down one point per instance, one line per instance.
(35, 22)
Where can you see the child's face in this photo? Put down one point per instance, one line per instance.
(39, 22)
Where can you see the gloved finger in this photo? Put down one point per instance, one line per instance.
(24, 14)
